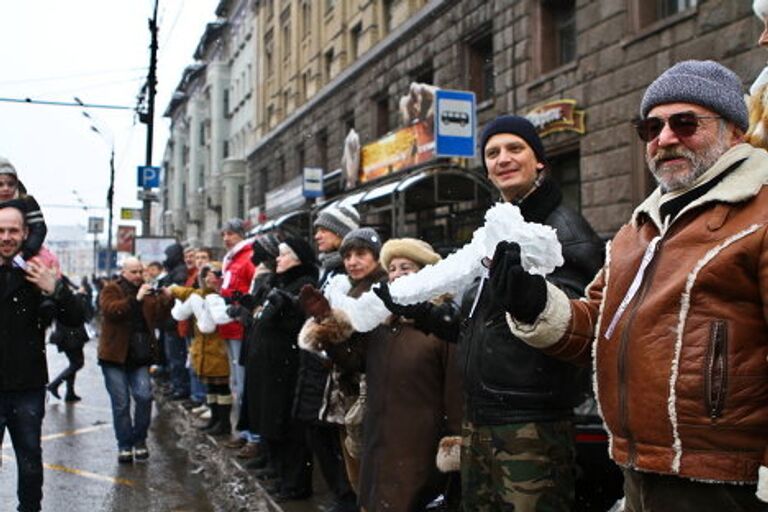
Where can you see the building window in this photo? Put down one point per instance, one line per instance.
(270, 8)
(225, 151)
(226, 101)
(285, 21)
(202, 135)
(306, 19)
(479, 54)
(301, 157)
(269, 63)
(322, 149)
(556, 34)
(241, 201)
(355, 37)
(382, 115)
(424, 74)
(349, 121)
(564, 170)
(328, 64)
(650, 11)
(286, 102)
(329, 5)
(388, 14)
(305, 86)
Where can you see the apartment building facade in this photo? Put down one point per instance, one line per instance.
(577, 68)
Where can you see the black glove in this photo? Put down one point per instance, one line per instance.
(276, 300)
(236, 312)
(248, 301)
(521, 294)
(411, 311)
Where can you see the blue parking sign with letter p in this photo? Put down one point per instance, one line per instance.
(149, 176)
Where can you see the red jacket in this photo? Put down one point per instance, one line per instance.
(238, 273)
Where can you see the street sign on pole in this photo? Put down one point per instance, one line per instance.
(95, 225)
(148, 176)
(313, 182)
(130, 213)
(455, 123)
(125, 238)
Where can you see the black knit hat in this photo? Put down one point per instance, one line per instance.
(515, 125)
(265, 248)
(301, 249)
(366, 238)
(338, 219)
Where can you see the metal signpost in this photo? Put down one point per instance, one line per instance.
(455, 123)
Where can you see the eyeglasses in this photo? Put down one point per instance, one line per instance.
(683, 124)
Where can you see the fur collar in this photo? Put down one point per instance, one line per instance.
(741, 184)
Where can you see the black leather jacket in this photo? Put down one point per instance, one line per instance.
(505, 380)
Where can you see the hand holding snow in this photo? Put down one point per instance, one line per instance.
(540, 254)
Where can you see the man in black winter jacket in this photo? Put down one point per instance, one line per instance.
(518, 447)
(174, 345)
(29, 300)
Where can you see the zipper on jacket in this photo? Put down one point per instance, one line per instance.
(716, 370)
(650, 271)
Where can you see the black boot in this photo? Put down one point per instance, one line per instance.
(224, 426)
(53, 387)
(71, 396)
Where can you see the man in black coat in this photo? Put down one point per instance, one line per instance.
(518, 447)
(174, 345)
(29, 299)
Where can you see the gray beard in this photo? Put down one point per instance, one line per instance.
(700, 163)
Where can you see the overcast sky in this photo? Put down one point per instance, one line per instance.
(97, 50)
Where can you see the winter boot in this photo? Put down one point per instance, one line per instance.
(53, 388)
(71, 396)
(224, 426)
(213, 420)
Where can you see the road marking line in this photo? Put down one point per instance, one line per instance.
(88, 474)
(82, 473)
(76, 432)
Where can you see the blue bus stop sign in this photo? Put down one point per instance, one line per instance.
(455, 123)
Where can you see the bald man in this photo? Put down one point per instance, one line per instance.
(127, 346)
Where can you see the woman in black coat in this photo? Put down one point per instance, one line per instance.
(272, 367)
(70, 340)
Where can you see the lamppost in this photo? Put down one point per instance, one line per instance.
(109, 139)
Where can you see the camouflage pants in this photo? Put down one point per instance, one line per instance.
(521, 467)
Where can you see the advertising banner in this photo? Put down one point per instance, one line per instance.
(126, 236)
(398, 150)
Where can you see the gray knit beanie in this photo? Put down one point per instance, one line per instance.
(235, 226)
(366, 238)
(701, 82)
(338, 219)
(6, 167)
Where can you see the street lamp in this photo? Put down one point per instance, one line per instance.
(109, 139)
(95, 233)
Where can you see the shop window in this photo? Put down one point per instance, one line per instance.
(648, 12)
(555, 34)
(479, 59)
(355, 37)
(382, 116)
(564, 170)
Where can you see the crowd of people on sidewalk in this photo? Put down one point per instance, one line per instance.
(460, 402)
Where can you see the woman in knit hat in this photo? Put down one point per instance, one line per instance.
(413, 395)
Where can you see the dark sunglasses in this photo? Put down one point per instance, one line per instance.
(683, 124)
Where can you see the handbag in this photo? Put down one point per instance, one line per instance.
(140, 351)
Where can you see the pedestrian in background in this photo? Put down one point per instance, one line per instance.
(30, 299)
(175, 345)
(131, 310)
(70, 340)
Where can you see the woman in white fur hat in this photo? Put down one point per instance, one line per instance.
(414, 401)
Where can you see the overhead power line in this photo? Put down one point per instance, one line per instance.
(64, 103)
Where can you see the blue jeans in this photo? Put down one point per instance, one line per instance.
(22, 413)
(176, 356)
(123, 383)
(196, 387)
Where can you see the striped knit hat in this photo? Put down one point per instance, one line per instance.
(338, 219)
(6, 167)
